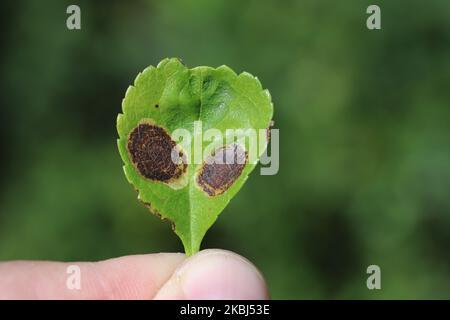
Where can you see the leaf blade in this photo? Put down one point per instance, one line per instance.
(172, 96)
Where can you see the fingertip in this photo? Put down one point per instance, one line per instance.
(215, 274)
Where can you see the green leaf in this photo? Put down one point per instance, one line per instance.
(191, 194)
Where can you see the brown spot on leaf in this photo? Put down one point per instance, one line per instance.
(150, 149)
(221, 169)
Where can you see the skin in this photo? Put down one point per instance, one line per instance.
(210, 274)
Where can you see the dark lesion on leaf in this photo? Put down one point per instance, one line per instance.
(150, 148)
(221, 169)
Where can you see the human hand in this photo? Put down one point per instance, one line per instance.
(210, 274)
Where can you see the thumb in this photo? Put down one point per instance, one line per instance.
(215, 274)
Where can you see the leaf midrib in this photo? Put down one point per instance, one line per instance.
(192, 172)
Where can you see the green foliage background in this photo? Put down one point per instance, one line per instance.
(364, 126)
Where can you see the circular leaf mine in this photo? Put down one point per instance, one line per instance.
(221, 169)
(150, 148)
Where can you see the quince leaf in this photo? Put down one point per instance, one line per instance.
(184, 181)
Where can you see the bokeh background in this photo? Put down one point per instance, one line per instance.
(364, 119)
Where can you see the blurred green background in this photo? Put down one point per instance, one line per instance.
(364, 119)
